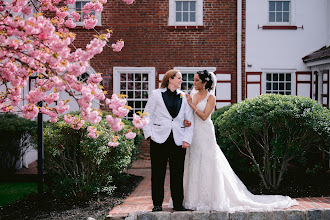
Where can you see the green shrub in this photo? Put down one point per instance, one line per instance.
(272, 130)
(16, 134)
(80, 166)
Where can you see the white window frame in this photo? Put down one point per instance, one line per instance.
(72, 7)
(151, 71)
(172, 14)
(264, 80)
(292, 13)
(194, 69)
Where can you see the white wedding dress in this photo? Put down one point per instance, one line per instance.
(209, 181)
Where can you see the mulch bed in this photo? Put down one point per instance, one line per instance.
(37, 206)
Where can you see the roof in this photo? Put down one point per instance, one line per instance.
(321, 54)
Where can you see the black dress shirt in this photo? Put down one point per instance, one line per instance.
(172, 101)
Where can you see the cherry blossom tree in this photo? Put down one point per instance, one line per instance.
(41, 46)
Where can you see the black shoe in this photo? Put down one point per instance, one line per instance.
(157, 209)
(180, 209)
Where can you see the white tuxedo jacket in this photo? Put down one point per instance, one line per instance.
(161, 122)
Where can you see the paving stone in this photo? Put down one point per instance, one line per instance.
(200, 215)
(181, 216)
(219, 216)
(238, 216)
(295, 215)
(326, 213)
(257, 216)
(133, 217)
(314, 214)
(145, 216)
(275, 215)
(162, 215)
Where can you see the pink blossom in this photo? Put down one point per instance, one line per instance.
(103, 1)
(113, 144)
(128, 1)
(51, 97)
(130, 135)
(30, 111)
(93, 133)
(115, 123)
(75, 15)
(94, 78)
(62, 107)
(118, 46)
(70, 23)
(53, 120)
(35, 96)
(121, 112)
(89, 22)
(27, 10)
(139, 122)
(116, 102)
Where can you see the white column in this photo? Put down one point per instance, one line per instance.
(239, 51)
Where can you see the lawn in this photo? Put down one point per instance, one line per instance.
(13, 191)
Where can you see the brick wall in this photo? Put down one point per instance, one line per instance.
(150, 43)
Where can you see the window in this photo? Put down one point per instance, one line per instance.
(279, 11)
(188, 76)
(136, 83)
(186, 13)
(78, 6)
(280, 83)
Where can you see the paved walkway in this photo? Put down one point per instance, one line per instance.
(140, 199)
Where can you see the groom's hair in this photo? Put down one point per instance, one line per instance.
(169, 74)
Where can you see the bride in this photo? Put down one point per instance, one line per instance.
(209, 181)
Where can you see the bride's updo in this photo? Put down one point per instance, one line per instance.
(205, 76)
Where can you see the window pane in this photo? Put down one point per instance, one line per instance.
(184, 77)
(285, 16)
(281, 86)
(288, 77)
(288, 93)
(178, 16)
(288, 86)
(271, 6)
(268, 86)
(137, 94)
(190, 86)
(130, 85)
(185, 16)
(281, 76)
(145, 77)
(192, 6)
(138, 86)
(185, 6)
(122, 77)
(130, 77)
(145, 86)
(278, 16)
(178, 6)
(286, 6)
(138, 77)
(275, 86)
(275, 77)
(122, 86)
(191, 77)
(271, 16)
(144, 94)
(269, 77)
(192, 16)
(278, 6)
(138, 104)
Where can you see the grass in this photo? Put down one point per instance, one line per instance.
(11, 192)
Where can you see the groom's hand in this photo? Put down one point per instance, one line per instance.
(187, 123)
(185, 145)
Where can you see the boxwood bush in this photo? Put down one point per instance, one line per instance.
(80, 166)
(273, 130)
(17, 134)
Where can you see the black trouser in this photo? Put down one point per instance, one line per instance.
(160, 154)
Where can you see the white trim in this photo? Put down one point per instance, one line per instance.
(318, 63)
(172, 15)
(239, 51)
(271, 70)
(116, 76)
(292, 14)
(187, 69)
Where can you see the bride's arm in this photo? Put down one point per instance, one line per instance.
(208, 108)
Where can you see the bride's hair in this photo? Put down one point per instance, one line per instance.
(205, 76)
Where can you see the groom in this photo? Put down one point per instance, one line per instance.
(168, 108)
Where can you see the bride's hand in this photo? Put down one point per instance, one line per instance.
(189, 99)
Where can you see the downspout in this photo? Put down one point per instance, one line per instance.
(239, 51)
